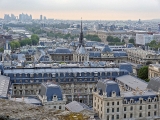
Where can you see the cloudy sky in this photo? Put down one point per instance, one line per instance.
(88, 9)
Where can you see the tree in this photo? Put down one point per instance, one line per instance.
(93, 38)
(143, 73)
(1, 49)
(131, 41)
(12, 44)
(109, 38)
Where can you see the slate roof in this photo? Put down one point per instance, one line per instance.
(81, 50)
(126, 66)
(108, 86)
(95, 54)
(154, 84)
(61, 70)
(106, 49)
(75, 106)
(50, 89)
(145, 95)
(119, 54)
(129, 45)
(61, 51)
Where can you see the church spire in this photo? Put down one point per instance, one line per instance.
(81, 36)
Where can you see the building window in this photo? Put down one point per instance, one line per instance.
(148, 113)
(108, 110)
(155, 106)
(131, 108)
(140, 107)
(140, 114)
(112, 117)
(108, 104)
(124, 115)
(124, 108)
(55, 107)
(117, 103)
(107, 117)
(112, 103)
(117, 109)
(155, 113)
(60, 107)
(117, 116)
(131, 115)
(149, 106)
(112, 109)
(140, 101)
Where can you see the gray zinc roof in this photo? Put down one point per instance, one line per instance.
(77, 107)
(154, 84)
(132, 82)
(61, 70)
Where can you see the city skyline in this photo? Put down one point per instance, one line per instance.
(73, 10)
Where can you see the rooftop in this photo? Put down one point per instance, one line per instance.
(133, 82)
(154, 84)
(75, 106)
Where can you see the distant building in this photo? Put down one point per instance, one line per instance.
(7, 48)
(143, 57)
(143, 39)
(41, 17)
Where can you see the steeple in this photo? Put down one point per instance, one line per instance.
(81, 36)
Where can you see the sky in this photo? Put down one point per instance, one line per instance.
(87, 9)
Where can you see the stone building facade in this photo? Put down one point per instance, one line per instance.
(77, 82)
(144, 57)
(112, 104)
(153, 70)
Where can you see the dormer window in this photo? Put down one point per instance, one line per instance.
(131, 100)
(155, 99)
(125, 101)
(149, 100)
(55, 96)
(113, 94)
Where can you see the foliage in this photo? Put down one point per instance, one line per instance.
(112, 39)
(93, 38)
(143, 73)
(33, 41)
(153, 44)
(131, 41)
(60, 35)
(1, 49)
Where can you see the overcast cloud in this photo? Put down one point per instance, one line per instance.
(88, 9)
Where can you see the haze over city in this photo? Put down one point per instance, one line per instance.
(89, 10)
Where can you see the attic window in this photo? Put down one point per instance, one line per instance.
(149, 100)
(54, 96)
